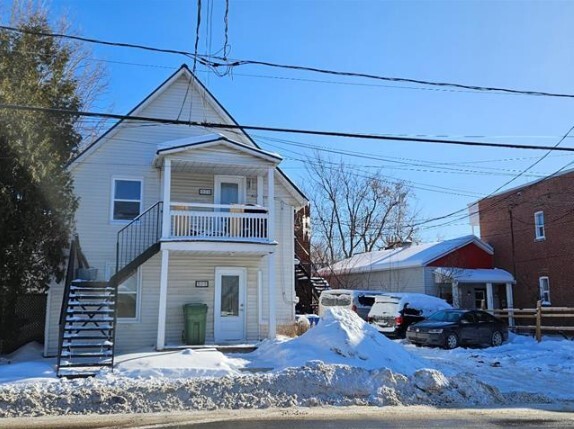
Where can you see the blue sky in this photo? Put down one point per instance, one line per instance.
(524, 45)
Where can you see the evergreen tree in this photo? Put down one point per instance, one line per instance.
(37, 203)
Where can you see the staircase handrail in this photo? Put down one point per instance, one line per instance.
(143, 231)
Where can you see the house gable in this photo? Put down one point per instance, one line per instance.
(468, 256)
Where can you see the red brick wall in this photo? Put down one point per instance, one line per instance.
(528, 259)
(469, 256)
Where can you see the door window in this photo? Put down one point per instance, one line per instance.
(229, 296)
(479, 298)
(229, 193)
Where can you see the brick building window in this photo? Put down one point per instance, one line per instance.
(544, 284)
(539, 225)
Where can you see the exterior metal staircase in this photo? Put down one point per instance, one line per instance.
(89, 311)
(87, 330)
(308, 289)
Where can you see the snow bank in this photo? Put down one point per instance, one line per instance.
(341, 337)
(314, 385)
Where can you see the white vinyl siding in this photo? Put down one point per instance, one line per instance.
(539, 225)
(544, 284)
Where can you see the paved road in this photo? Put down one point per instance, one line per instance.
(315, 418)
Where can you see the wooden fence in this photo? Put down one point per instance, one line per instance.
(539, 314)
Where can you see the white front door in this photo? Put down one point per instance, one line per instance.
(229, 308)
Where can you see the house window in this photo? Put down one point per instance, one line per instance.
(127, 299)
(126, 199)
(544, 290)
(539, 225)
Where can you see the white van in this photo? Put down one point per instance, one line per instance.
(359, 301)
(392, 313)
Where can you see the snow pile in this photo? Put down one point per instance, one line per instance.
(519, 367)
(177, 364)
(314, 385)
(26, 365)
(341, 337)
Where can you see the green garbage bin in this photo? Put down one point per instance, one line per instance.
(194, 322)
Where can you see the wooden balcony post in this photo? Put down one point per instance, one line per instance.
(166, 193)
(489, 297)
(160, 343)
(271, 258)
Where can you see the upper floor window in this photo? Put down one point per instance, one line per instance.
(539, 225)
(126, 198)
(544, 284)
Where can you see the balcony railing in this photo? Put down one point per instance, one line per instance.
(195, 221)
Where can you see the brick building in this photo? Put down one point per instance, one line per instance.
(531, 229)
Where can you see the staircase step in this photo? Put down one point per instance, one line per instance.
(90, 289)
(88, 319)
(104, 303)
(83, 283)
(90, 296)
(84, 311)
(89, 328)
(73, 345)
(73, 337)
(84, 365)
(79, 355)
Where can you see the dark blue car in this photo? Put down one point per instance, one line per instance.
(451, 328)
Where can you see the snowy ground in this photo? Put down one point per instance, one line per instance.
(341, 361)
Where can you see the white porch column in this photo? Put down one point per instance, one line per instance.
(489, 297)
(271, 258)
(509, 302)
(162, 300)
(260, 190)
(455, 294)
(166, 194)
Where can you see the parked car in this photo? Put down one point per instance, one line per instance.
(451, 328)
(393, 313)
(359, 301)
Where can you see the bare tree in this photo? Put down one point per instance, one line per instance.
(355, 212)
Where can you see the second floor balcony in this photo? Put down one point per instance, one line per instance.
(218, 222)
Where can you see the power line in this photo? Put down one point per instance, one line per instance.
(442, 167)
(204, 59)
(215, 125)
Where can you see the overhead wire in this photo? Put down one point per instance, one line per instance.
(227, 63)
(215, 125)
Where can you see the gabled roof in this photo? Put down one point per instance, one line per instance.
(207, 140)
(183, 70)
(416, 255)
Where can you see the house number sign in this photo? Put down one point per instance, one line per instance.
(202, 283)
(205, 192)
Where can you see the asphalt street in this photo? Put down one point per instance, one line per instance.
(327, 417)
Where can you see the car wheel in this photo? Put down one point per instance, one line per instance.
(451, 341)
(496, 339)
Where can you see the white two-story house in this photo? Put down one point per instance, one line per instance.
(180, 214)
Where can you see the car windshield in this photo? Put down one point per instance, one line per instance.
(445, 316)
